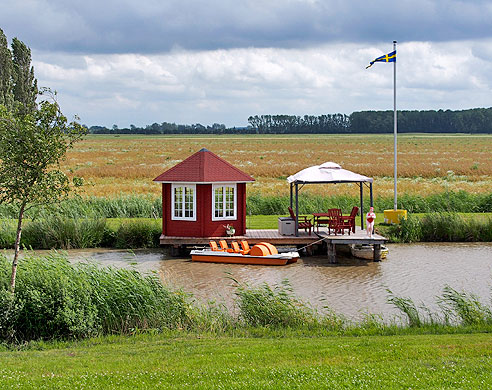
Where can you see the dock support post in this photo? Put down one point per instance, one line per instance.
(332, 253)
(175, 250)
(377, 252)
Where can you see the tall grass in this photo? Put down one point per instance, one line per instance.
(138, 234)
(55, 299)
(276, 307)
(442, 227)
(457, 308)
(64, 233)
(128, 206)
(59, 232)
(146, 206)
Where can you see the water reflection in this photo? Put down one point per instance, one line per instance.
(352, 287)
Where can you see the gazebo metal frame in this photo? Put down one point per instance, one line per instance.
(294, 187)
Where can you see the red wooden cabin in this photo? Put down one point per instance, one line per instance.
(201, 195)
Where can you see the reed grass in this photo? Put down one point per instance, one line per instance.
(275, 307)
(146, 206)
(442, 227)
(64, 233)
(138, 234)
(57, 300)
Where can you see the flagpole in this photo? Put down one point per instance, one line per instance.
(395, 127)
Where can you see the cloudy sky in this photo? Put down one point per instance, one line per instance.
(187, 61)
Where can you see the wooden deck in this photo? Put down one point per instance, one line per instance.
(254, 236)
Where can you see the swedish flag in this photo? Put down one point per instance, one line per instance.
(391, 57)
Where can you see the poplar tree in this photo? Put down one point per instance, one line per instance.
(25, 85)
(6, 70)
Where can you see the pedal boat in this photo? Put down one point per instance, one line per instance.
(260, 254)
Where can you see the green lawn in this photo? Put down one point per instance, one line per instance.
(184, 362)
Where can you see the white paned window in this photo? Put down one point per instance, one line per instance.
(224, 202)
(183, 202)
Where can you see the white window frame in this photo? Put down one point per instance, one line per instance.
(223, 186)
(184, 186)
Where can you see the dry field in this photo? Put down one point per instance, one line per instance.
(116, 165)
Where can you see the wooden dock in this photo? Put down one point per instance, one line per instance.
(254, 236)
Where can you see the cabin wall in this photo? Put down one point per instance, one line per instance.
(203, 226)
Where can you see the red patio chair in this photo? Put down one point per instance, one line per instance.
(304, 222)
(348, 221)
(333, 220)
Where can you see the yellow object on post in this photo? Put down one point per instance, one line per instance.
(394, 216)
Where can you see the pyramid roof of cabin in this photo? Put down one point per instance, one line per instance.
(203, 167)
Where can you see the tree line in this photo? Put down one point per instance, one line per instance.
(474, 121)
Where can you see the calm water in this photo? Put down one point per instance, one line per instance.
(353, 287)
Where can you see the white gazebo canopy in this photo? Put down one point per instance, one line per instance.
(328, 172)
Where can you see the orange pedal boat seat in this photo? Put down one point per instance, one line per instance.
(224, 247)
(245, 247)
(214, 247)
(235, 247)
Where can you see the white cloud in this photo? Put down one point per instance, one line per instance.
(227, 86)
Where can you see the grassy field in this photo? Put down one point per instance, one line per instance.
(114, 165)
(459, 361)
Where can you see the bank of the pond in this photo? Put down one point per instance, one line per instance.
(202, 362)
(57, 299)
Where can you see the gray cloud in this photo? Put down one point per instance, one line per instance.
(155, 26)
